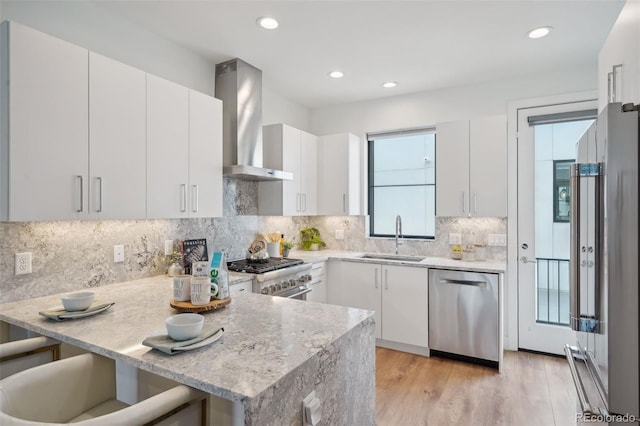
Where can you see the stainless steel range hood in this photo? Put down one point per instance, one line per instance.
(239, 86)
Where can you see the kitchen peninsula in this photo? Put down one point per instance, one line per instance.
(274, 351)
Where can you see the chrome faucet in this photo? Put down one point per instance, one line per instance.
(398, 232)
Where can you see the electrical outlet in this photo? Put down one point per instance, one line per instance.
(497, 240)
(455, 239)
(168, 247)
(339, 234)
(118, 253)
(23, 263)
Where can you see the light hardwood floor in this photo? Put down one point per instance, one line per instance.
(532, 390)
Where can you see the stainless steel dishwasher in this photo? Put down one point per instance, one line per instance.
(463, 314)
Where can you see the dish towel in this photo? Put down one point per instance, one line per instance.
(60, 314)
(169, 346)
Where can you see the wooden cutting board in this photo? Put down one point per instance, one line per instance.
(211, 306)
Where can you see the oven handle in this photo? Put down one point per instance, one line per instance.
(300, 293)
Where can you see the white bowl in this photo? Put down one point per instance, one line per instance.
(78, 301)
(184, 326)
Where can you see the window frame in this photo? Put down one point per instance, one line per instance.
(556, 185)
(371, 138)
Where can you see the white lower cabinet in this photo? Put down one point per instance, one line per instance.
(318, 283)
(397, 294)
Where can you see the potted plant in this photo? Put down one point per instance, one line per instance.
(175, 264)
(286, 247)
(310, 239)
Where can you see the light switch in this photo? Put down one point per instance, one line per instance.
(339, 234)
(455, 238)
(497, 240)
(168, 247)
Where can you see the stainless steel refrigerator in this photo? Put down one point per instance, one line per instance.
(604, 262)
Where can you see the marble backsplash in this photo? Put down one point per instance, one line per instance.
(72, 255)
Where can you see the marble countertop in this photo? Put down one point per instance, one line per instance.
(265, 338)
(427, 262)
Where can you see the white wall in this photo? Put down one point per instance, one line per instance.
(98, 29)
(428, 108)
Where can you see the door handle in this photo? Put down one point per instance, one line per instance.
(195, 198)
(99, 210)
(525, 259)
(183, 197)
(376, 279)
(81, 191)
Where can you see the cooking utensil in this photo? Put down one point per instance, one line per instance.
(258, 252)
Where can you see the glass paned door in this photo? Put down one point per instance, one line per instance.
(545, 152)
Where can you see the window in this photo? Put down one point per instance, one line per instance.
(561, 190)
(402, 182)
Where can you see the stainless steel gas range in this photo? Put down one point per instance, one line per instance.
(276, 276)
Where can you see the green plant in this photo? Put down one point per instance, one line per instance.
(310, 236)
(288, 244)
(174, 257)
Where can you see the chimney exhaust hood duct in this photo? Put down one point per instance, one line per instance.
(239, 86)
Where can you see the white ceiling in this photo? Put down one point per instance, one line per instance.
(423, 45)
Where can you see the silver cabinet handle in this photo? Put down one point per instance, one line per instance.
(463, 209)
(386, 279)
(183, 197)
(475, 202)
(344, 203)
(617, 70)
(99, 209)
(304, 203)
(81, 198)
(609, 87)
(195, 198)
(376, 279)
(298, 202)
(525, 259)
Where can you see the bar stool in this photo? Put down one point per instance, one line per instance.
(11, 351)
(82, 390)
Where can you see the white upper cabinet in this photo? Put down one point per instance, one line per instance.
(184, 152)
(44, 149)
(471, 168)
(452, 168)
(619, 59)
(339, 175)
(167, 149)
(295, 151)
(309, 173)
(117, 138)
(205, 155)
(87, 137)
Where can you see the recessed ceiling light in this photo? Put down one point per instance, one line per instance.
(267, 23)
(336, 74)
(539, 32)
(389, 84)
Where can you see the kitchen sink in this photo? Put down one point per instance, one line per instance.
(396, 257)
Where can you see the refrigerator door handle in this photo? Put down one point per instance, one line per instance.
(579, 321)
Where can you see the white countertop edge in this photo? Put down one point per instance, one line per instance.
(494, 266)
